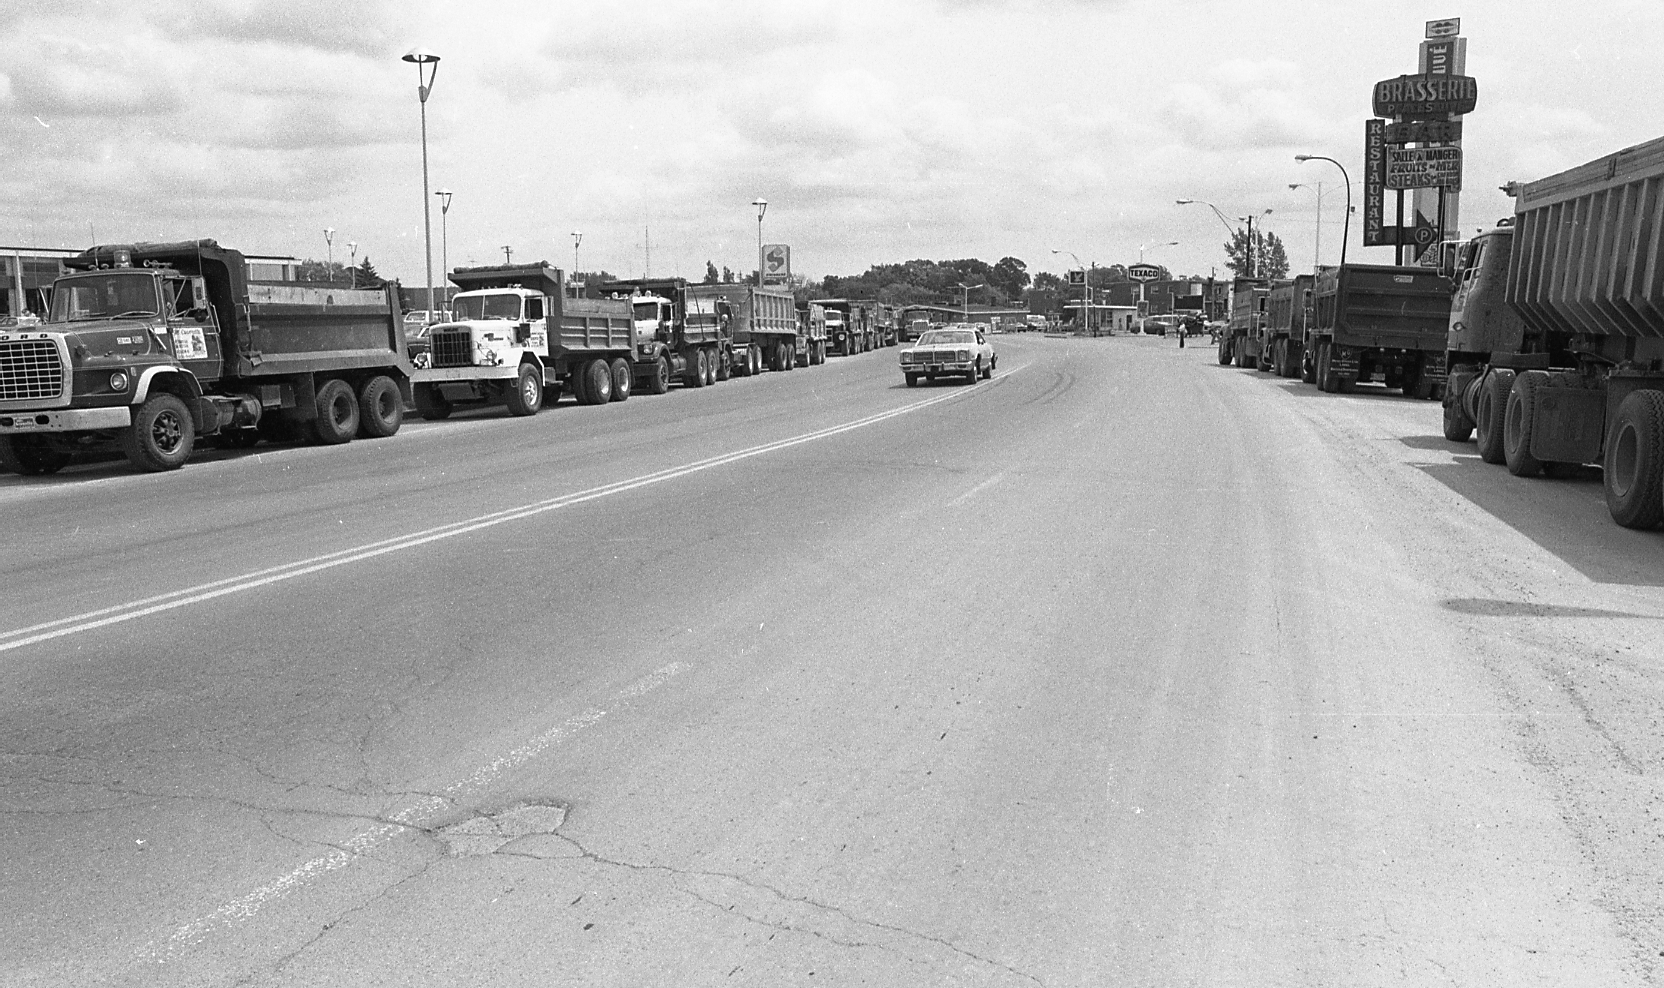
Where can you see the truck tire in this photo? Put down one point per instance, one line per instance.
(430, 403)
(1308, 363)
(1457, 426)
(1634, 467)
(596, 384)
(1517, 416)
(162, 434)
(1487, 420)
(775, 362)
(623, 380)
(525, 397)
(337, 420)
(658, 379)
(1224, 350)
(31, 456)
(711, 361)
(1325, 380)
(380, 408)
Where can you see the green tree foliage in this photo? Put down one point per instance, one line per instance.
(326, 272)
(727, 275)
(365, 276)
(1010, 276)
(1270, 259)
(921, 281)
(711, 276)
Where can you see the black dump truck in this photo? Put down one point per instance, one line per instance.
(149, 346)
(1378, 322)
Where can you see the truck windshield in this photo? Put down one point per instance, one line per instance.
(105, 296)
(482, 307)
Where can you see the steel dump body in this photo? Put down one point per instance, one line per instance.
(758, 314)
(1383, 305)
(1242, 343)
(1588, 251)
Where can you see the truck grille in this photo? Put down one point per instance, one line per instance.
(30, 369)
(452, 347)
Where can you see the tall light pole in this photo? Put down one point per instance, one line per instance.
(1346, 228)
(445, 238)
(427, 67)
(965, 307)
(329, 253)
(762, 207)
(1085, 288)
(352, 271)
(577, 238)
(1144, 247)
(1317, 232)
(1253, 266)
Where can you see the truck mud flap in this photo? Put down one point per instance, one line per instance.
(1343, 361)
(1567, 425)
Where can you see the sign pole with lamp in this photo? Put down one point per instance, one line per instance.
(427, 67)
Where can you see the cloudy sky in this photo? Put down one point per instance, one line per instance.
(879, 130)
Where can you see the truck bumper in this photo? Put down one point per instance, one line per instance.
(68, 420)
(436, 375)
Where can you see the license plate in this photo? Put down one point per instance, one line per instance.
(933, 368)
(21, 424)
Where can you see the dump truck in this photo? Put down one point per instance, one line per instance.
(679, 333)
(149, 347)
(1283, 337)
(1556, 332)
(517, 337)
(846, 326)
(1378, 322)
(762, 324)
(1241, 340)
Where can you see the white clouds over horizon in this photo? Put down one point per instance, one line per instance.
(878, 131)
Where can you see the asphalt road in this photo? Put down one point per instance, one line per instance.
(1122, 668)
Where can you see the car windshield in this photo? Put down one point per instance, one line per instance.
(943, 337)
(481, 307)
(105, 296)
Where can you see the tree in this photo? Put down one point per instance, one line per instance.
(727, 275)
(1009, 276)
(365, 276)
(327, 272)
(1045, 281)
(1270, 259)
(710, 273)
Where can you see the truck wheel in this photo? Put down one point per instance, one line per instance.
(1224, 351)
(1487, 422)
(31, 456)
(597, 383)
(694, 376)
(1457, 426)
(526, 396)
(774, 363)
(162, 434)
(713, 364)
(1308, 365)
(1517, 416)
(623, 379)
(1325, 380)
(337, 420)
(380, 408)
(658, 380)
(1634, 466)
(430, 404)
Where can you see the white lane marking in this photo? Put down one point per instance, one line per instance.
(978, 489)
(119, 613)
(414, 816)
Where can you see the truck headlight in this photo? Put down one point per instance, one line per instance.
(118, 381)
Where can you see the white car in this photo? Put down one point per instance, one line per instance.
(958, 350)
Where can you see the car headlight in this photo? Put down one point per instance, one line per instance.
(964, 355)
(118, 381)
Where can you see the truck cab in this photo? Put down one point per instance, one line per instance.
(490, 328)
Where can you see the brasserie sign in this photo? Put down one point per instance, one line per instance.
(1426, 95)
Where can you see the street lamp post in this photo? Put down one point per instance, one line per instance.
(329, 253)
(965, 306)
(1253, 258)
(762, 207)
(352, 271)
(1317, 232)
(445, 238)
(577, 238)
(1085, 288)
(427, 68)
(1346, 227)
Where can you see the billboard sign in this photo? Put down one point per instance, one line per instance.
(1077, 277)
(1424, 132)
(1143, 272)
(777, 263)
(1449, 27)
(1426, 95)
(1375, 175)
(1424, 168)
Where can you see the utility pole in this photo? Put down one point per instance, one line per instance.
(508, 254)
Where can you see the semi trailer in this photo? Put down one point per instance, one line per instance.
(148, 347)
(1556, 332)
